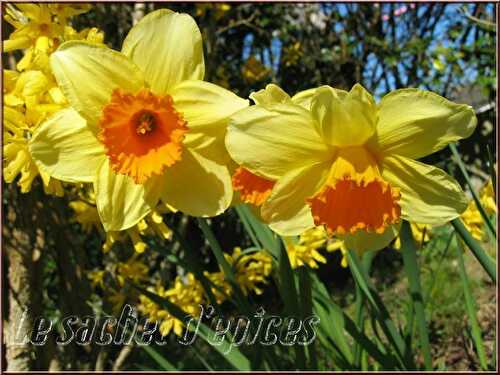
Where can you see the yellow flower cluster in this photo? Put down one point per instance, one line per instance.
(133, 269)
(472, 218)
(87, 216)
(31, 93)
(421, 235)
(304, 251)
(292, 54)
(187, 293)
(218, 10)
(152, 224)
(251, 270)
(254, 70)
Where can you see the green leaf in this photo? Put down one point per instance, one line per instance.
(480, 207)
(380, 311)
(159, 359)
(193, 266)
(491, 166)
(291, 300)
(331, 319)
(230, 353)
(226, 267)
(488, 264)
(263, 235)
(470, 306)
(409, 252)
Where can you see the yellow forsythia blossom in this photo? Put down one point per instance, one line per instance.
(421, 235)
(187, 293)
(254, 70)
(31, 94)
(305, 250)
(292, 54)
(472, 218)
(251, 272)
(97, 278)
(218, 10)
(336, 244)
(251, 269)
(133, 270)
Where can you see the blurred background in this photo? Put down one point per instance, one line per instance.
(448, 48)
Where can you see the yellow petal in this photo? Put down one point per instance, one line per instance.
(204, 104)
(362, 241)
(273, 94)
(271, 142)
(120, 202)
(66, 149)
(269, 96)
(344, 119)
(21, 42)
(286, 209)
(428, 194)
(198, 185)
(88, 73)
(416, 123)
(168, 48)
(304, 98)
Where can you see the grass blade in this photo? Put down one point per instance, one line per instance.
(470, 306)
(409, 252)
(488, 264)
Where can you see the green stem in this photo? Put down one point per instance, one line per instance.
(359, 303)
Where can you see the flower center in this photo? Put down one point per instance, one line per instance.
(142, 133)
(145, 122)
(355, 197)
(253, 189)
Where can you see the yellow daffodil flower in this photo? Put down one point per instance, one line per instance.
(144, 125)
(254, 189)
(348, 163)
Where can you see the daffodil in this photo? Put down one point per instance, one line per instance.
(254, 189)
(143, 124)
(348, 163)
